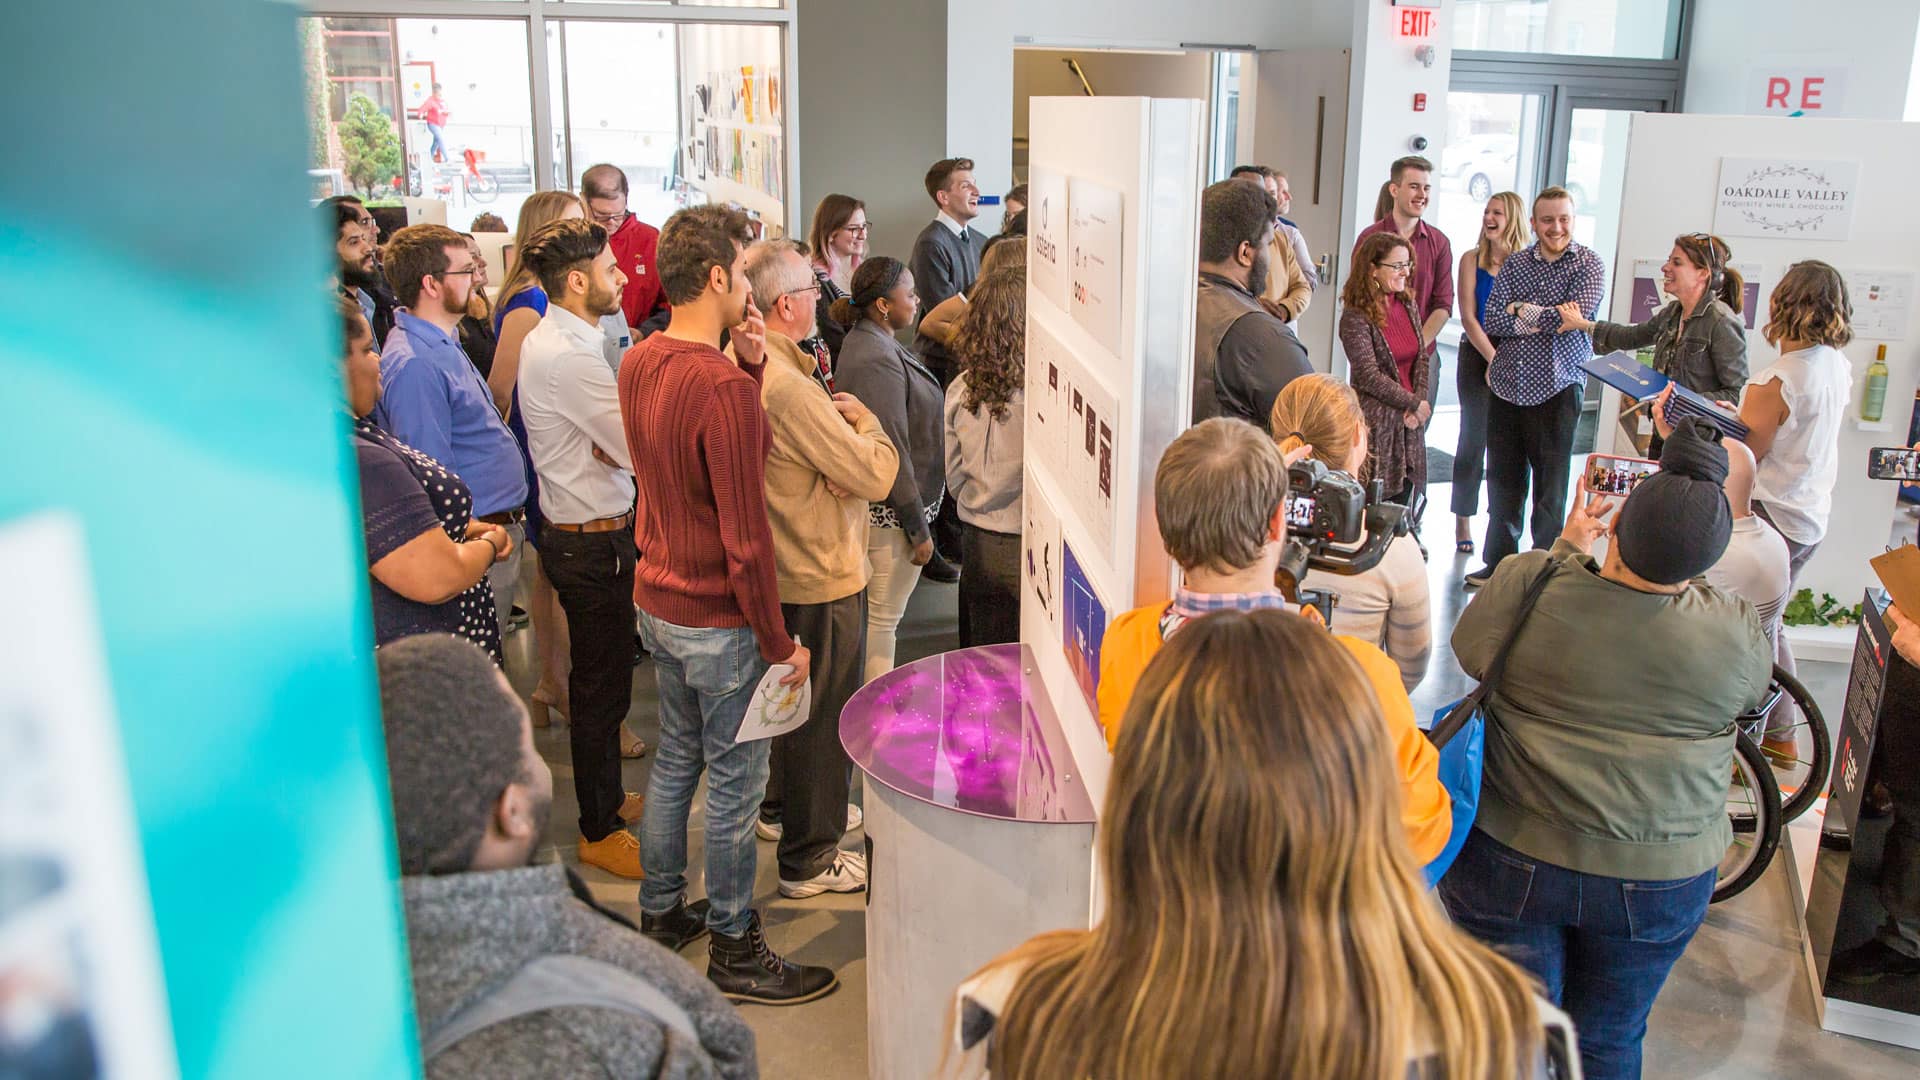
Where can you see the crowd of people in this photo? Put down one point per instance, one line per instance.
(691, 445)
(717, 451)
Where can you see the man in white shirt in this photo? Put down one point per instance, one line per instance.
(570, 404)
(1756, 568)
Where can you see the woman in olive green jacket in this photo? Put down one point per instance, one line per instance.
(1699, 340)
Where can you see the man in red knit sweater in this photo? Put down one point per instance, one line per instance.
(709, 605)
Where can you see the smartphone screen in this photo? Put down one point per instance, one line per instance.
(1894, 463)
(1609, 475)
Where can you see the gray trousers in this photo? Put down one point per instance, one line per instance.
(808, 772)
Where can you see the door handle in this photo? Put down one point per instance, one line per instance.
(1324, 268)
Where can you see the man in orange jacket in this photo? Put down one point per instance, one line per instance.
(1220, 495)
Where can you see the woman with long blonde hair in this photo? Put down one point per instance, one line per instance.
(1389, 605)
(514, 321)
(1265, 915)
(1503, 231)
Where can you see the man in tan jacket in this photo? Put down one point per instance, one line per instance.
(1288, 290)
(829, 458)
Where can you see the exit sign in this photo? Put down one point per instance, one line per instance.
(1416, 22)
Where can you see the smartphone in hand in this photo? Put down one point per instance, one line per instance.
(1607, 474)
(1894, 463)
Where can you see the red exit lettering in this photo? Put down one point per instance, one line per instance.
(1416, 22)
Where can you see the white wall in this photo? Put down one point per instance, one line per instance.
(1673, 164)
(981, 37)
(1111, 73)
(1872, 40)
(1380, 117)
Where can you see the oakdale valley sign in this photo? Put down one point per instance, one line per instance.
(1799, 200)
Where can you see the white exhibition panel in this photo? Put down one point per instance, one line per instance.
(1114, 220)
(1672, 187)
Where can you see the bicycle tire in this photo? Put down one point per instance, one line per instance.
(1761, 826)
(482, 188)
(1820, 768)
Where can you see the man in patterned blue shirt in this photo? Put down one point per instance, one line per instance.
(1536, 378)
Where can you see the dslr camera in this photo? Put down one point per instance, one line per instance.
(1335, 524)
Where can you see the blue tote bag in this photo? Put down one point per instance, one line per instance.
(1459, 732)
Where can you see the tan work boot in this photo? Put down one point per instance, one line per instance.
(634, 806)
(617, 853)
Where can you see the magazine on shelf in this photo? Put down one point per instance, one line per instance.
(1625, 373)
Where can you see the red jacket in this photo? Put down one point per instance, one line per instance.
(434, 111)
(635, 244)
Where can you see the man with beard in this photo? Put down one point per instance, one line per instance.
(516, 971)
(1242, 354)
(356, 271)
(432, 397)
(709, 598)
(571, 408)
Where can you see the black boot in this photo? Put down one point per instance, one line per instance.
(678, 928)
(745, 969)
(940, 569)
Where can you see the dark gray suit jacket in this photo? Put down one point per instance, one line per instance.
(943, 265)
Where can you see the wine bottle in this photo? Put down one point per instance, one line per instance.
(1873, 403)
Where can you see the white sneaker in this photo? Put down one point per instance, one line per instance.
(847, 874)
(770, 831)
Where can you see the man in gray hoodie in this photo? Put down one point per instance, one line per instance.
(516, 971)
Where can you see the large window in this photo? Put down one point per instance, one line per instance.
(693, 112)
(379, 98)
(1639, 29)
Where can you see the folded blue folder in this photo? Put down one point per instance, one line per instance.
(1625, 373)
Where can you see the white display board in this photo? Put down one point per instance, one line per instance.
(1676, 167)
(1115, 184)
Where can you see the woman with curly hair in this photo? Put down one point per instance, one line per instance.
(985, 440)
(1384, 347)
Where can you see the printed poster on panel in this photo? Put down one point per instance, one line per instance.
(1047, 235)
(1096, 246)
(1786, 199)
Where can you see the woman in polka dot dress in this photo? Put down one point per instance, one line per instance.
(427, 557)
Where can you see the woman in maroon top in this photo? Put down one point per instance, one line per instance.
(1381, 333)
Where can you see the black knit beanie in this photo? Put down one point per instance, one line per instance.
(1677, 523)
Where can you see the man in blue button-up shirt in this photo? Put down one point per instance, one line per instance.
(432, 397)
(1536, 378)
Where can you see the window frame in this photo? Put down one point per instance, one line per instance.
(534, 16)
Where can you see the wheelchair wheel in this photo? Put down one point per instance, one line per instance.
(1753, 807)
(1802, 772)
(481, 187)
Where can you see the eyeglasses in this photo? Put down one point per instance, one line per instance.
(612, 220)
(813, 288)
(1405, 265)
(456, 273)
(857, 230)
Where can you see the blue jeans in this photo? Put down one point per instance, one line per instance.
(1601, 947)
(439, 150)
(706, 677)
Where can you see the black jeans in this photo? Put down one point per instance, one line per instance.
(593, 573)
(1470, 452)
(807, 770)
(989, 587)
(1523, 441)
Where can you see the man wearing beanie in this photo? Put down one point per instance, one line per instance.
(1609, 742)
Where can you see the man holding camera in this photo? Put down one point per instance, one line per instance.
(1220, 494)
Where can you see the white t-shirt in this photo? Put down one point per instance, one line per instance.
(1755, 568)
(1389, 606)
(1796, 478)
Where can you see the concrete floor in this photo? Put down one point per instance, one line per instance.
(1737, 1005)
